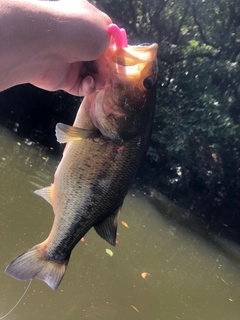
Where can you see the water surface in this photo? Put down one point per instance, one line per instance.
(193, 274)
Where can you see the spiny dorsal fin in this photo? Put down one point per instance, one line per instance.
(107, 229)
(65, 133)
(46, 193)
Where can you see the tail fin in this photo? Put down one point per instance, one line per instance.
(33, 264)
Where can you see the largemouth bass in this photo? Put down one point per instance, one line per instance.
(104, 149)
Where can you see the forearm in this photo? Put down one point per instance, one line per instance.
(34, 33)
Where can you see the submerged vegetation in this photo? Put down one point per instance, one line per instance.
(194, 153)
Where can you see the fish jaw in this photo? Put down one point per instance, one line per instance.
(130, 65)
(120, 110)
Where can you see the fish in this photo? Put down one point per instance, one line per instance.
(104, 149)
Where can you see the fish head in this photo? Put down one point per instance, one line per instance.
(122, 109)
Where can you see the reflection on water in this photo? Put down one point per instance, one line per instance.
(192, 275)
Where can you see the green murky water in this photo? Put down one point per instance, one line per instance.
(193, 275)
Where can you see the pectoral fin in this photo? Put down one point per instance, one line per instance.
(65, 133)
(107, 229)
(46, 193)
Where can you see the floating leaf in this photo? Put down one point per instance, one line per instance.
(145, 274)
(125, 224)
(109, 252)
(135, 308)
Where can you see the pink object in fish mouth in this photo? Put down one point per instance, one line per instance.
(119, 35)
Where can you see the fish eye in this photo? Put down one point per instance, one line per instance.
(148, 83)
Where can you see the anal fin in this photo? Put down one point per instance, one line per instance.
(107, 229)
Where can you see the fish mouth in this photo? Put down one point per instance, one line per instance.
(127, 62)
(135, 63)
(125, 92)
(135, 55)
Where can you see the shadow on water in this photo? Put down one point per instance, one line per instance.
(192, 272)
(219, 238)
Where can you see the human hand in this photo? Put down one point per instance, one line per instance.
(52, 44)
